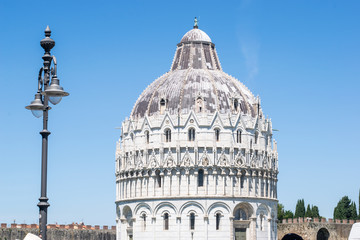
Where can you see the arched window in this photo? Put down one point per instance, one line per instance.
(144, 221)
(218, 216)
(240, 214)
(162, 102)
(238, 136)
(236, 105)
(158, 178)
(127, 213)
(162, 105)
(147, 136)
(192, 221)
(256, 137)
(191, 134)
(199, 104)
(242, 178)
(167, 135)
(166, 221)
(217, 134)
(200, 178)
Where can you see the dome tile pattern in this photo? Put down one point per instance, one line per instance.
(195, 35)
(195, 74)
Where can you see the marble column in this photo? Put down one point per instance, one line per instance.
(187, 181)
(269, 228)
(206, 174)
(196, 179)
(232, 179)
(253, 228)
(178, 173)
(231, 227)
(162, 182)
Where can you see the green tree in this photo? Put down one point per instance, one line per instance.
(315, 212)
(359, 205)
(308, 212)
(280, 212)
(288, 214)
(345, 209)
(353, 213)
(300, 208)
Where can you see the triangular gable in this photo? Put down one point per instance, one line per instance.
(253, 161)
(223, 160)
(130, 127)
(129, 162)
(257, 123)
(187, 160)
(192, 115)
(146, 122)
(217, 118)
(265, 162)
(140, 163)
(167, 117)
(205, 159)
(169, 161)
(239, 122)
(239, 160)
(153, 163)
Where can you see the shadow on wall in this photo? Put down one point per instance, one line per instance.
(292, 236)
(323, 234)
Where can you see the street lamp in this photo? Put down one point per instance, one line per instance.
(49, 89)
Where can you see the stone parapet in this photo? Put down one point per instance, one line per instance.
(58, 226)
(317, 220)
(57, 234)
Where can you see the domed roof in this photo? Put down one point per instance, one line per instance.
(195, 82)
(195, 35)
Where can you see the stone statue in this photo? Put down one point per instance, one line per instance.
(195, 23)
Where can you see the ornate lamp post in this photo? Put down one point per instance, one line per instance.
(48, 90)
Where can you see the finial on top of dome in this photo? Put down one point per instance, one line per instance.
(47, 31)
(47, 43)
(196, 23)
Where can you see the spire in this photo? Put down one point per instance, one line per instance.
(47, 43)
(47, 31)
(196, 23)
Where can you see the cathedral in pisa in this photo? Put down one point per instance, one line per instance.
(196, 158)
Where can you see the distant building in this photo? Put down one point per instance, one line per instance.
(196, 158)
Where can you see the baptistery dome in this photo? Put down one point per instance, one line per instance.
(196, 158)
(195, 76)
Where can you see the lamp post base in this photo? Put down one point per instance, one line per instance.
(43, 205)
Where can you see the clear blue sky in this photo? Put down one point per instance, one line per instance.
(301, 57)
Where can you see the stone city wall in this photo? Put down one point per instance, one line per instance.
(309, 228)
(58, 232)
(318, 220)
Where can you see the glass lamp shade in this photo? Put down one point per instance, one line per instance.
(37, 113)
(55, 92)
(55, 99)
(36, 106)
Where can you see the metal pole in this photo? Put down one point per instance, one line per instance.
(47, 44)
(43, 204)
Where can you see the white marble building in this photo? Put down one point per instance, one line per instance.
(196, 158)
